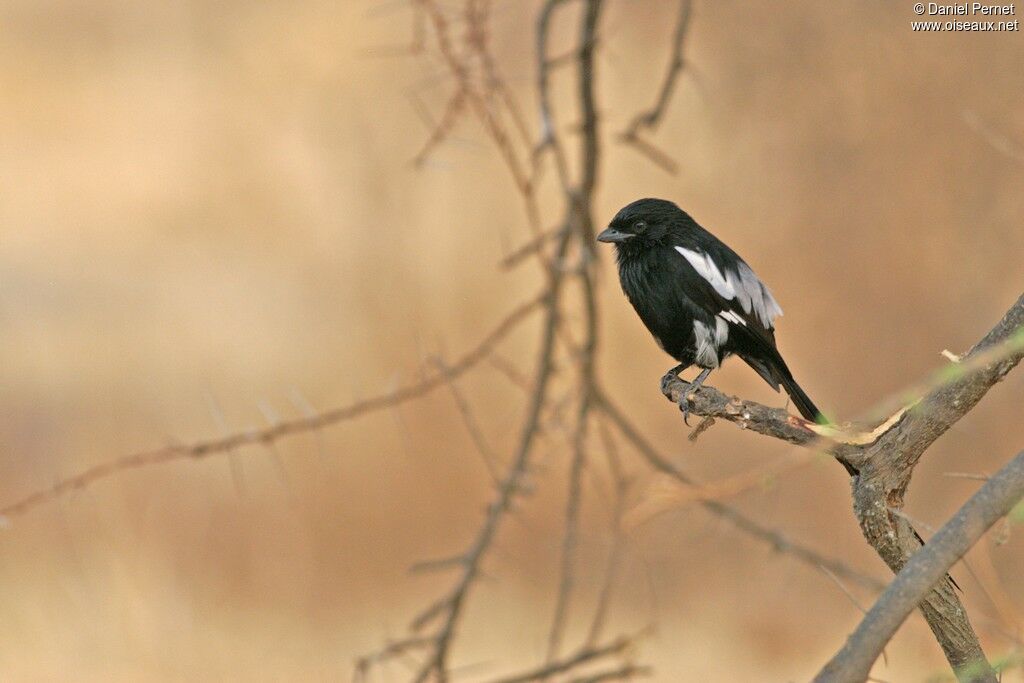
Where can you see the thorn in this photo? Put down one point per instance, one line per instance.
(268, 412)
(237, 477)
(273, 420)
(966, 475)
(306, 408)
(300, 402)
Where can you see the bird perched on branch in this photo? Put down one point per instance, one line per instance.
(699, 299)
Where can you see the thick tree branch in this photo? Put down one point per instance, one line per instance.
(923, 571)
(885, 456)
(901, 448)
(757, 417)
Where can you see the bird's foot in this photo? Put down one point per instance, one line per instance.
(669, 377)
(691, 395)
(685, 407)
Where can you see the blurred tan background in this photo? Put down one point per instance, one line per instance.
(206, 207)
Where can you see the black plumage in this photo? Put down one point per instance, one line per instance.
(698, 298)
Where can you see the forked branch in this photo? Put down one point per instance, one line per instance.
(923, 571)
(885, 456)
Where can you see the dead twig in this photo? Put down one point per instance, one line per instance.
(586, 655)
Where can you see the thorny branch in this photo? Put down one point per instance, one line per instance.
(569, 539)
(581, 205)
(621, 482)
(446, 613)
(549, 137)
(313, 422)
(469, 419)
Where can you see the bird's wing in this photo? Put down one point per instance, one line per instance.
(722, 284)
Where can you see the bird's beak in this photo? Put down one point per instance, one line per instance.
(613, 235)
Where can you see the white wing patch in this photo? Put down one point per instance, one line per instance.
(708, 270)
(733, 317)
(743, 286)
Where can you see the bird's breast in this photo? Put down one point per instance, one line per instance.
(653, 293)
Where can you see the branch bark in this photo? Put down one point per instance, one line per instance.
(884, 457)
(925, 569)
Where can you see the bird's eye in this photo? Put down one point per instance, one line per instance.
(639, 227)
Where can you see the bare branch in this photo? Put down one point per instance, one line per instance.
(485, 95)
(846, 591)
(309, 423)
(532, 247)
(923, 571)
(569, 538)
(583, 656)
(452, 607)
(582, 199)
(393, 650)
(487, 454)
(773, 538)
(884, 459)
(549, 138)
(616, 552)
(649, 120)
(443, 128)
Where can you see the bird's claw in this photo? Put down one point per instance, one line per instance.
(669, 377)
(666, 382)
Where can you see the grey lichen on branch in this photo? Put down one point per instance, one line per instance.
(841, 441)
(757, 417)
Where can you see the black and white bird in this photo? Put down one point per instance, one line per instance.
(699, 299)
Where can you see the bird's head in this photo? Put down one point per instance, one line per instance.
(644, 223)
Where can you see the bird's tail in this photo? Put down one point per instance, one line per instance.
(810, 411)
(773, 370)
(800, 398)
